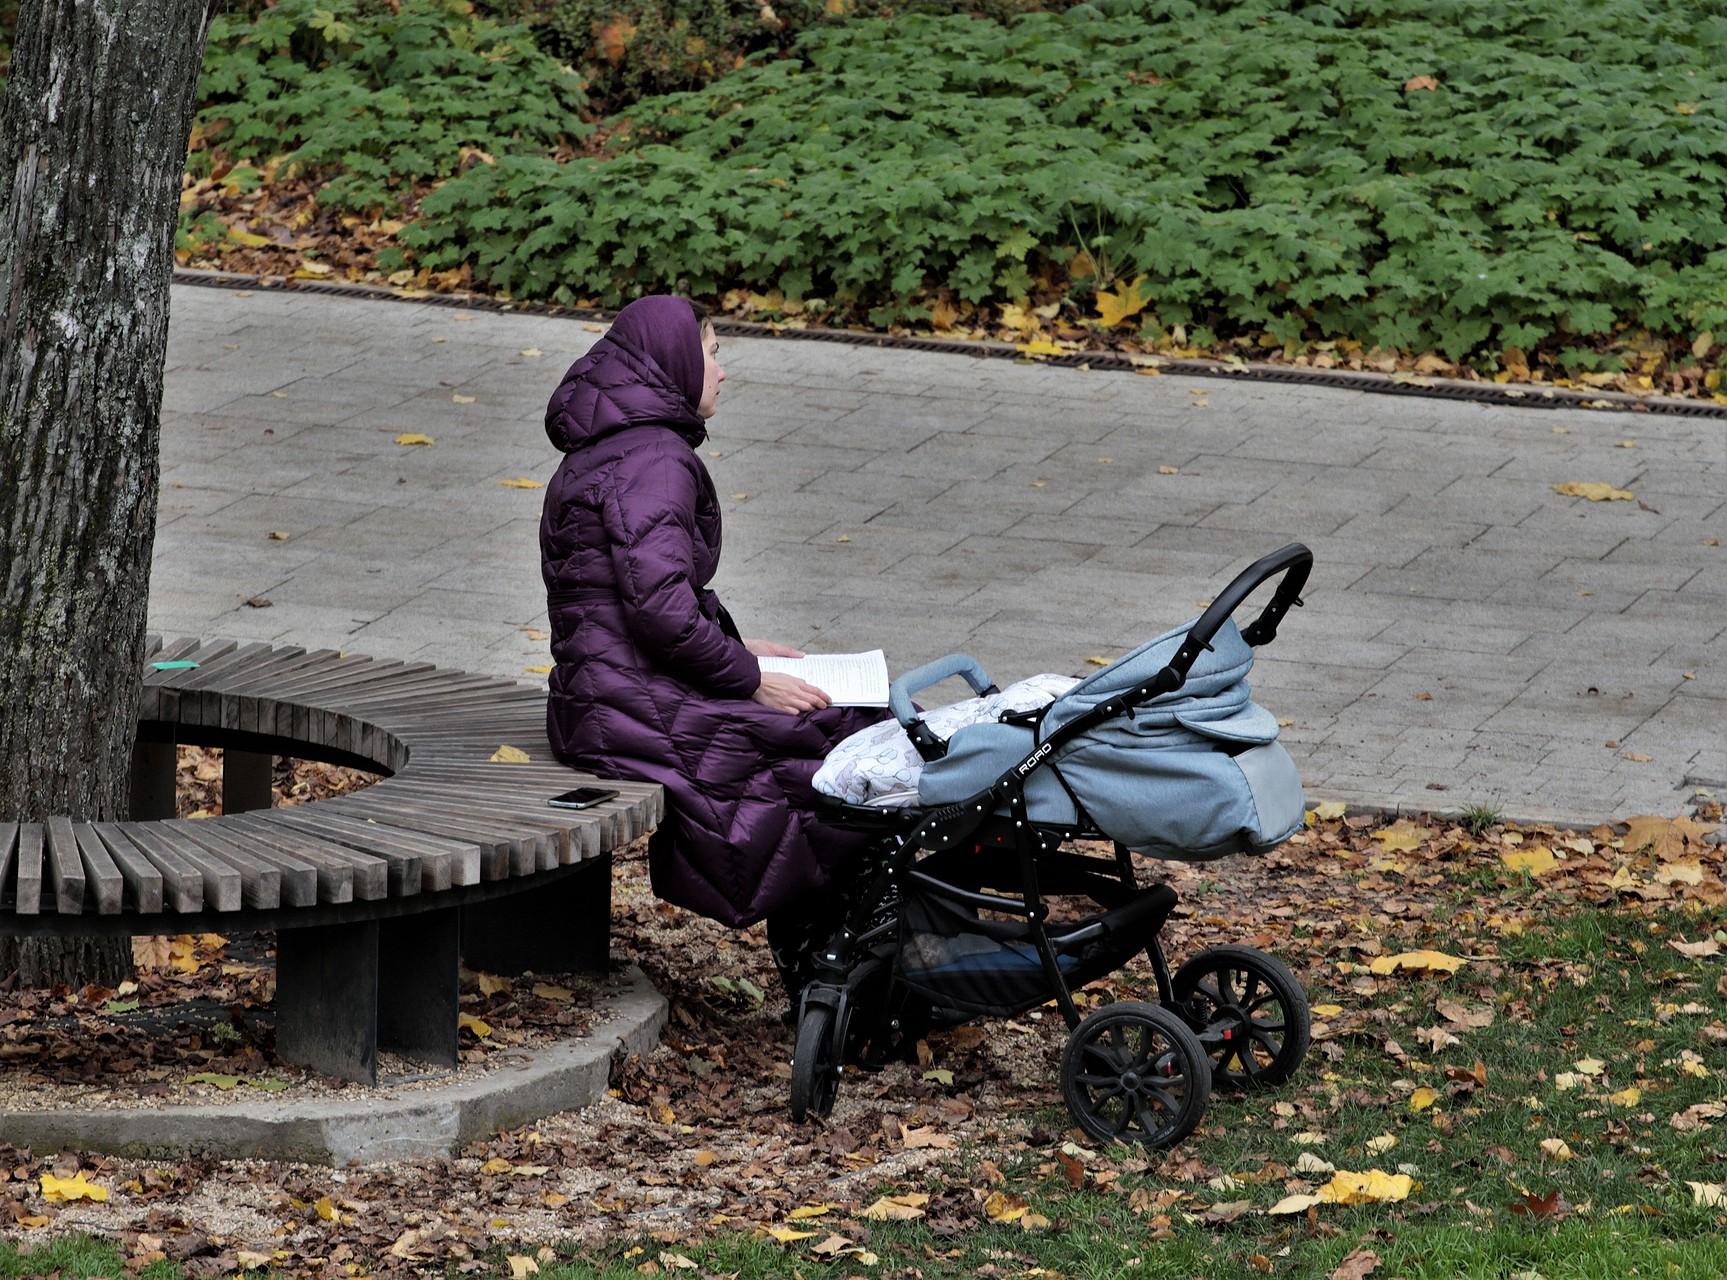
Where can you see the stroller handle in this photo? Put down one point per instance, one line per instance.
(900, 691)
(1294, 562)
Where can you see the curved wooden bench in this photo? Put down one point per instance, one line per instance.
(377, 895)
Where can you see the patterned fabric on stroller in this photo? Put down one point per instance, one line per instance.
(1163, 752)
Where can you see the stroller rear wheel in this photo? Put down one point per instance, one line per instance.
(817, 1060)
(1133, 1072)
(1249, 1012)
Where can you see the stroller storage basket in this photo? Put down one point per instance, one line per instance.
(971, 964)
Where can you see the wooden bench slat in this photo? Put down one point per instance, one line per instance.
(501, 852)
(8, 843)
(206, 673)
(578, 833)
(28, 896)
(404, 873)
(295, 879)
(434, 688)
(183, 650)
(102, 878)
(65, 867)
(142, 878)
(260, 885)
(529, 848)
(364, 874)
(644, 799)
(219, 884)
(307, 664)
(331, 684)
(366, 838)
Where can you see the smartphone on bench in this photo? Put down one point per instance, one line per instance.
(581, 798)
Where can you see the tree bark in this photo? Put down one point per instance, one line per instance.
(98, 109)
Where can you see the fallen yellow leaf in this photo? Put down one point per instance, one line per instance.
(1004, 1206)
(901, 1208)
(1557, 1149)
(1529, 861)
(809, 1211)
(1294, 1204)
(468, 1022)
(1423, 1098)
(1708, 1195)
(785, 1235)
(1330, 811)
(1042, 347)
(1627, 1097)
(1371, 1187)
(522, 482)
(509, 755)
(412, 437)
(1402, 837)
(58, 1190)
(1122, 304)
(522, 1266)
(1594, 490)
(461, 399)
(1416, 962)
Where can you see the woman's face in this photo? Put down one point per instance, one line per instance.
(712, 374)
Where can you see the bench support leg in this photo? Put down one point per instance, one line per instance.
(327, 999)
(557, 928)
(152, 781)
(419, 986)
(246, 781)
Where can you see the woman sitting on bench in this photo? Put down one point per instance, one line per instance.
(652, 681)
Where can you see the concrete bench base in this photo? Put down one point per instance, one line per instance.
(370, 1125)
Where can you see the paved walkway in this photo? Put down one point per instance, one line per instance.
(1471, 637)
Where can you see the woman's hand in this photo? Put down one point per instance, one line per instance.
(788, 693)
(772, 649)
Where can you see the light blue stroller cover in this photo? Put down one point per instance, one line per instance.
(1192, 775)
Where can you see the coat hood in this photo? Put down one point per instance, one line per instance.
(647, 369)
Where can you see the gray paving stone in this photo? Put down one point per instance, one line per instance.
(981, 521)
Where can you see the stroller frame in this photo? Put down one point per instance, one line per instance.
(1132, 1070)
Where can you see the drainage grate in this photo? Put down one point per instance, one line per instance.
(1346, 379)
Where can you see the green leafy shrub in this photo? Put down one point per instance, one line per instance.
(629, 49)
(374, 96)
(1448, 174)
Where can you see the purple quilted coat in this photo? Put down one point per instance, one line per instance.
(651, 681)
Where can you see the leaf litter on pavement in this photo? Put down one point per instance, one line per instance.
(1427, 955)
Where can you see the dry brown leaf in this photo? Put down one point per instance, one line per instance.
(1358, 1265)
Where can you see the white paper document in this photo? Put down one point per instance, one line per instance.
(850, 679)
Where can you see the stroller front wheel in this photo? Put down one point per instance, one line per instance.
(1248, 1011)
(817, 1061)
(1133, 1072)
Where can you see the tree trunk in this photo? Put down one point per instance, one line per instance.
(98, 109)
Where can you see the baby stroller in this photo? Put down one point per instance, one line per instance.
(949, 917)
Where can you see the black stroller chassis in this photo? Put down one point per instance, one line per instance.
(949, 918)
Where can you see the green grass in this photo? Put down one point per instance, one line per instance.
(1585, 1007)
(79, 1256)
